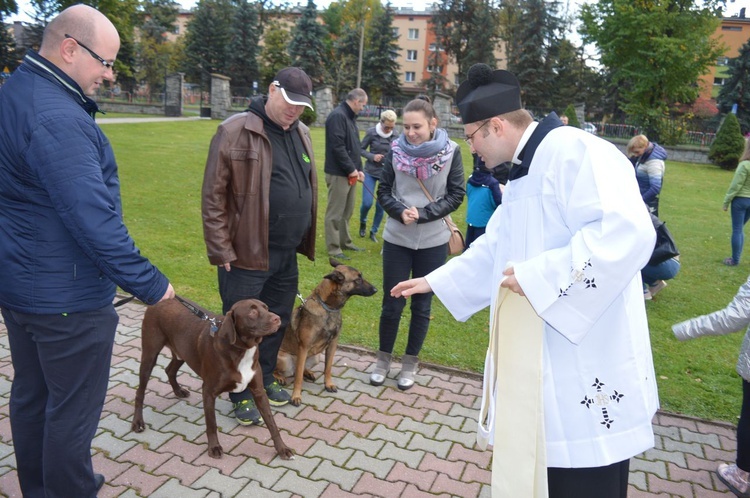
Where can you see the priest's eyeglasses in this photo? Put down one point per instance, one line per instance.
(469, 138)
(93, 54)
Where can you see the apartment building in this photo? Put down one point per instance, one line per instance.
(733, 33)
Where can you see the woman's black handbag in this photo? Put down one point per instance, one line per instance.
(665, 247)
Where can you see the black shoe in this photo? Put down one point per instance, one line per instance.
(353, 248)
(99, 480)
(362, 228)
(246, 412)
(276, 395)
(373, 238)
(340, 256)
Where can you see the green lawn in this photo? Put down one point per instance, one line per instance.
(161, 169)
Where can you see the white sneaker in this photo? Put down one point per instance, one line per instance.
(736, 479)
(657, 287)
(647, 295)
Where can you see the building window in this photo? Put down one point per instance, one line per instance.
(722, 61)
(410, 76)
(431, 69)
(395, 32)
(731, 28)
(718, 81)
(434, 46)
(457, 79)
(411, 55)
(413, 33)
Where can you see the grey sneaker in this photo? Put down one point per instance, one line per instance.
(276, 395)
(246, 412)
(657, 287)
(736, 479)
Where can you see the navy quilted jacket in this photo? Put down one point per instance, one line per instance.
(63, 244)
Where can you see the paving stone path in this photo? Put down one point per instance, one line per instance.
(361, 441)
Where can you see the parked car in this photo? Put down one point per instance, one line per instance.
(589, 127)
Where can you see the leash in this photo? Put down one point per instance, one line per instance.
(200, 313)
(124, 300)
(364, 185)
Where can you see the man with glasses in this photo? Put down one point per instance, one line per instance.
(565, 249)
(64, 249)
(259, 196)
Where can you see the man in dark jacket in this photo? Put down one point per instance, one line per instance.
(343, 168)
(64, 249)
(259, 210)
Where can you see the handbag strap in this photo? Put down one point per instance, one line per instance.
(424, 189)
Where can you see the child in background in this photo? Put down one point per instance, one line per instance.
(733, 318)
(484, 192)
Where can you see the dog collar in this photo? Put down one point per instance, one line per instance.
(202, 315)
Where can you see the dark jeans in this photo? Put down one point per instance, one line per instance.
(400, 263)
(740, 216)
(597, 482)
(276, 287)
(666, 270)
(472, 234)
(368, 192)
(743, 430)
(61, 370)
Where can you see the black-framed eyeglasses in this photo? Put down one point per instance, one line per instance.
(469, 138)
(105, 63)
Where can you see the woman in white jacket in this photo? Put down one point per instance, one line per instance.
(733, 318)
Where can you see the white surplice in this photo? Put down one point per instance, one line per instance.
(577, 233)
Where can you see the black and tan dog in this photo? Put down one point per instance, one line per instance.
(315, 327)
(224, 355)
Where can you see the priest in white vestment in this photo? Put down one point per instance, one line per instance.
(569, 240)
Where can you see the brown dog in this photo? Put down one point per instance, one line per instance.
(315, 326)
(226, 358)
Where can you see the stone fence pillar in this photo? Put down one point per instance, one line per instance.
(221, 97)
(323, 104)
(173, 94)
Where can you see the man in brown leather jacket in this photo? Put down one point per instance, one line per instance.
(259, 204)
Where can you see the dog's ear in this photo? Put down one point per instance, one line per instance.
(336, 276)
(227, 327)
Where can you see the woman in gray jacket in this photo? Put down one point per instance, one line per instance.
(733, 318)
(415, 237)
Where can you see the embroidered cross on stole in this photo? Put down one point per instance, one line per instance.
(513, 376)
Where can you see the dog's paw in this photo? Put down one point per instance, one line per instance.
(138, 426)
(216, 451)
(280, 379)
(331, 388)
(296, 400)
(308, 375)
(181, 392)
(285, 453)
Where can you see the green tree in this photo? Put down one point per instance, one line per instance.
(7, 47)
(207, 40)
(343, 74)
(307, 49)
(468, 31)
(381, 69)
(274, 54)
(728, 145)
(654, 51)
(8, 7)
(534, 41)
(154, 52)
(735, 88)
(243, 49)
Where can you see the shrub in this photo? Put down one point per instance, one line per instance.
(309, 116)
(570, 111)
(729, 144)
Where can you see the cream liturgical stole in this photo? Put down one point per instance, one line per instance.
(513, 377)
